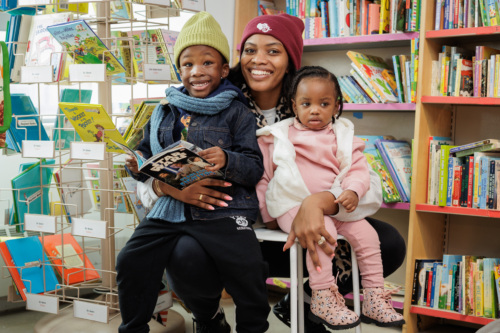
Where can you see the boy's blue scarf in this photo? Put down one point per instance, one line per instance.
(168, 208)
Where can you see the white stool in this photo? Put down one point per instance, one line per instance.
(297, 278)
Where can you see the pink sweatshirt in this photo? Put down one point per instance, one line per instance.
(317, 162)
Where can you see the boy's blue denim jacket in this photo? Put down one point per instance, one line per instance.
(233, 130)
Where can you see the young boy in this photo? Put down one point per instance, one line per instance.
(211, 113)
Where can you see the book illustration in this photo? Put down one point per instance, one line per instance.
(93, 124)
(43, 49)
(36, 273)
(80, 41)
(64, 132)
(178, 165)
(68, 258)
(121, 203)
(130, 185)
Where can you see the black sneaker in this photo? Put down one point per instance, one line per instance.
(282, 311)
(215, 325)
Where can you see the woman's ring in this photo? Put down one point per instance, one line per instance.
(321, 240)
(201, 197)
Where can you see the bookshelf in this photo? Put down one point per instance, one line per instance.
(433, 230)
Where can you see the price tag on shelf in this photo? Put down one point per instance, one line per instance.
(21, 3)
(40, 223)
(155, 72)
(87, 150)
(89, 228)
(164, 302)
(38, 149)
(157, 2)
(42, 303)
(196, 5)
(91, 311)
(87, 72)
(36, 74)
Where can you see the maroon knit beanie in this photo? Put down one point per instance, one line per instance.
(286, 28)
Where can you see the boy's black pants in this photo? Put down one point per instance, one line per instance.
(236, 264)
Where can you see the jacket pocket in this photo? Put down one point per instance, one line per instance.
(217, 137)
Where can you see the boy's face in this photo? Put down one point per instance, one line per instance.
(201, 68)
(315, 102)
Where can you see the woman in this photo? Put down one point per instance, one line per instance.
(270, 54)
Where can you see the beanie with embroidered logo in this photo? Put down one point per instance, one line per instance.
(201, 29)
(285, 28)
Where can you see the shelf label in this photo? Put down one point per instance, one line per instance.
(87, 72)
(155, 72)
(157, 2)
(40, 223)
(36, 74)
(196, 5)
(42, 303)
(38, 149)
(87, 150)
(91, 311)
(33, 2)
(164, 302)
(89, 228)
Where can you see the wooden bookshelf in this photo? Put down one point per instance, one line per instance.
(493, 101)
(379, 107)
(438, 313)
(359, 42)
(458, 210)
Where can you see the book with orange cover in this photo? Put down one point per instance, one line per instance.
(77, 267)
(11, 266)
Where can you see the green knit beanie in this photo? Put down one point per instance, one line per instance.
(201, 29)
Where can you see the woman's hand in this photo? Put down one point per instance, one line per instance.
(214, 155)
(131, 162)
(200, 194)
(309, 225)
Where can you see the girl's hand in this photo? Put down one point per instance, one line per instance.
(214, 155)
(200, 194)
(309, 225)
(131, 162)
(349, 199)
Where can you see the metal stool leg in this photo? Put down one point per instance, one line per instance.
(300, 287)
(293, 288)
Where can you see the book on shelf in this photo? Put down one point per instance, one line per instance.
(130, 186)
(490, 308)
(119, 46)
(421, 269)
(43, 49)
(19, 49)
(486, 180)
(445, 292)
(389, 191)
(436, 284)
(30, 191)
(72, 188)
(478, 156)
(11, 267)
(33, 266)
(26, 124)
(443, 174)
(120, 200)
(64, 6)
(397, 157)
(68, 258)
(84, 46)
(134, 132)
(93, 124)
(496, 274)
(178, 165)
(371, 68)
(64, 132)
(489, 145)
(433, 166)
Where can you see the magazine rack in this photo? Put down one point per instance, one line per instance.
(105, 247)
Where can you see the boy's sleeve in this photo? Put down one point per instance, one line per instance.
(266, 147)
(244, 159)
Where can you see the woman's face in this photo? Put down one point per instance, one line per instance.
(264, 63)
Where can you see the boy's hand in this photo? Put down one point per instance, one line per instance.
(131, 162)
(349, 199)
(214, 155)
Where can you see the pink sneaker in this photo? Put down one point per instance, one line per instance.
(328, 308)
(377, 308)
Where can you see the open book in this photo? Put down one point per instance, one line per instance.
(178, 165)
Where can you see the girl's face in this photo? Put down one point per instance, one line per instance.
(264, 63)
(315, 102)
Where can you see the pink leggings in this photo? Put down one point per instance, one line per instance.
(363, 239)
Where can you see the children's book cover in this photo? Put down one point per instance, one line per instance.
(120, 199)
(130, 185)
(64, 133)
(42, 49)
(178, 165)
(81, 41)
(14, 273)
(26, 124)
(389, 190)
(398, 154)
(93, 124)
(120, 48)
(32, 264)
(68, 258)
(30, 191)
